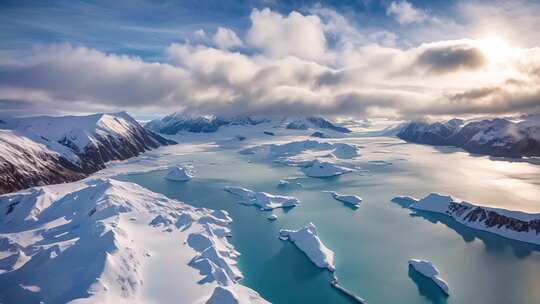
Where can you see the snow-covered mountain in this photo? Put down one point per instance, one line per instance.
(495, 137)
(44, 150)
(105, 241)
(315, 122)
(178, 122)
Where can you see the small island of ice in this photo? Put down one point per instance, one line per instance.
(180, 173)
(264, 200)
(510, 224)
(272, 217)
(427, 269)
(283, 183)
(318, 168)
(353, 200)
(307, 240)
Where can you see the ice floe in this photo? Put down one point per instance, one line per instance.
(263, 200)
(180, 173)
(319, 168)
(307, 240)
(353, 200)
(427, 269)
(272, 217)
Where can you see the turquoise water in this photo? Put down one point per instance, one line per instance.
(371, 244)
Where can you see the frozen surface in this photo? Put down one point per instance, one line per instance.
(124, 235)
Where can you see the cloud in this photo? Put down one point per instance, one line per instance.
(293, 35)
(226, 38)
(405, 12)
(353, 76)
(436, 59)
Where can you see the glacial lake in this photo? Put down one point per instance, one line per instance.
(373, 243)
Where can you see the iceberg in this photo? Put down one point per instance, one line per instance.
(272, 217)
(348, 199)
(180, 173)
(427, 269)
(318, 168)
(307, 240)
(510, 224)
(263, 200)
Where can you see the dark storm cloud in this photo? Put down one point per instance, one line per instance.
(445, 59)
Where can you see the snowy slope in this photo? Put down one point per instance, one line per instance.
(105, 241)
(78, 144)
(496, 137)
(179, 122)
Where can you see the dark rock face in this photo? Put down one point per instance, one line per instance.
(492, 219)
(497, 137)
(49, 169)
(43, 168)
(269, 133)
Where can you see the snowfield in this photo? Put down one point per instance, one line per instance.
(127, 237)
(307, 240)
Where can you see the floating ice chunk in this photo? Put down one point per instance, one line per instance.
(307, 240)
(272, 217)
(180, 174)
(263, 200)
(353, 200)
(283, 183)
(318, 168)
(345, 151)
(427, 269)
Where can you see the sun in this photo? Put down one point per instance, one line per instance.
(495, 49)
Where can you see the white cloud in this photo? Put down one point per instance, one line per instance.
(405, 12)
(356, 77)
(226, 38)
(292, 35)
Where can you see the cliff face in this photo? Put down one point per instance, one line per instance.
(47, 150)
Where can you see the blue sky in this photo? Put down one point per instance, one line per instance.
(373, 57)
(145, 28)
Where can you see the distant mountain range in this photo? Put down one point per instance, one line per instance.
(46, 150)
(178, 122)
(494, 137)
